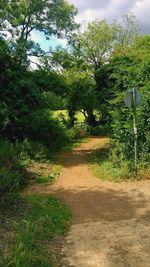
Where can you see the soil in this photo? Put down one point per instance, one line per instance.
(111, 221)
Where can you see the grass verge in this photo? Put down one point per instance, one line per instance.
(30, 239)
(102, 167)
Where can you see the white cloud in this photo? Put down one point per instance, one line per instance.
(110, 10)
(142, 11)
(35, 36)
(113, 10)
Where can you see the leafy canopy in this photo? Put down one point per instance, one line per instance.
(22, 17)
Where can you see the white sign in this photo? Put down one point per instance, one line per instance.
(133, 97)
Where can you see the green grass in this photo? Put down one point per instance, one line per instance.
(102, 167)
(79, 116)
(45, 179)
(44, 219)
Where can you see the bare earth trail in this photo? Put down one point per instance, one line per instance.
(111, 221)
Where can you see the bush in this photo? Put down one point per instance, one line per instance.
(34, 150)
(131, 69)
(123, 135)
(48, 131)
(10, 170)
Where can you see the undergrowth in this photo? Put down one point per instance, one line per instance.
(102, 165)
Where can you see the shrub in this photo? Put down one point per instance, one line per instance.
(131, 69)
(10, 170)
(34, 150)
(48, 131)
(123, 136)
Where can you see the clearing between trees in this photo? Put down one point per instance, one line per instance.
(110, 225)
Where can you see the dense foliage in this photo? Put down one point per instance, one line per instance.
(28, 95)
(11, 174)
(20, 19)
(131, 69)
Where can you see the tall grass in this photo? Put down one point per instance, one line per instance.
(113, 167)
(46, 219)
(103, 167)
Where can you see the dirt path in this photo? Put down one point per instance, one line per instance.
(110, 220)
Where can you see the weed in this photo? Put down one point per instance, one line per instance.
(102, 167)
(108, 166)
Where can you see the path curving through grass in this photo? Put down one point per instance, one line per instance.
(110, 225)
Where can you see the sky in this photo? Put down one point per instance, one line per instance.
(110, 10)
(89, 10)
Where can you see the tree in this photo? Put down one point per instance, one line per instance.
(3, 13)
(97, 42)
(81, 95)
(20, 95)
(23, 92)
(96, 45)
(88, 57)
(128, 30)
(22, 17)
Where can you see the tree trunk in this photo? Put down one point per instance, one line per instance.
(91, 120)
(72, 118)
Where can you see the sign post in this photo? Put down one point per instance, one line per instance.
(133, 98)
(135, 126)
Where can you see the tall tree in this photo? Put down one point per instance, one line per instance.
(22, 17)
(97, 42)
(96, 45)
(81, 95)
(128, 30)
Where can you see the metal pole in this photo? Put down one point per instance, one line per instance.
(135, 128)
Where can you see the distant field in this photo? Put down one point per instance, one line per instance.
(79, 116)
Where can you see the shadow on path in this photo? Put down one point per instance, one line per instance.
(91, 205)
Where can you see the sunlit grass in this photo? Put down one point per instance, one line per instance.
(102, 167)
(45, 179)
